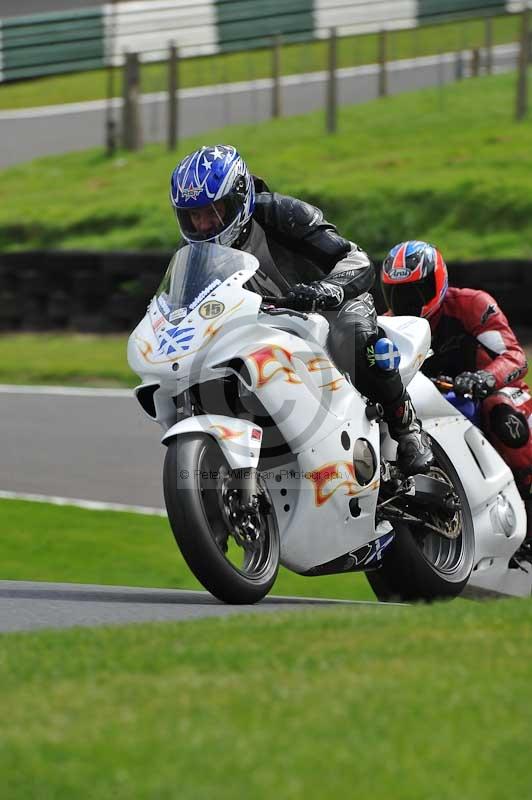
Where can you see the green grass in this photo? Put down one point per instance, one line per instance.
(71, 360)
(65, 359)
(251, 65)
(427, 703)
(452, 168)
(43, 542)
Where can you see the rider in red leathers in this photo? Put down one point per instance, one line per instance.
(475, 346)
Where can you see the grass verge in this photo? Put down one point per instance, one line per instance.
(430, 165)
(428, 703)
(256, 64)
(42, 542)
(66, 359)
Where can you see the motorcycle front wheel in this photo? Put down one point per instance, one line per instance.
(233, 551)
(422, 565)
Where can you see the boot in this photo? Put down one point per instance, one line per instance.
(414, 453)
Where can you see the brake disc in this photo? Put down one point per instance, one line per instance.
(448, 524)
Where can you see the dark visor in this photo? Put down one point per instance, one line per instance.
(409, 299)
(222, 213)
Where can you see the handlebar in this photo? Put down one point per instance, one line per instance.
(446, 384)
(443, 383)
(274, 306)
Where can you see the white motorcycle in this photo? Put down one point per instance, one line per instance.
(273, 457)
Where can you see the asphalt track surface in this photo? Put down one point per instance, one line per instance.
(26, 606)
(95, 446)
(29, 133)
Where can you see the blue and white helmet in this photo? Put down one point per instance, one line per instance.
(213, 195)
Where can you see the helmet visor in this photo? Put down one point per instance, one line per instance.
(409, 299)
(203, 223)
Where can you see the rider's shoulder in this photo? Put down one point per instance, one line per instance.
(286, 214)
(462, 299)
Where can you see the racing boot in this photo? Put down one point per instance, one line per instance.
(414, 453)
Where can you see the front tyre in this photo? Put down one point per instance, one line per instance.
(422, 565)
(233, 551)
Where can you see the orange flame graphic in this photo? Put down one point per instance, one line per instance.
(226, 433)
(267, 355)
(331, 477)
(318, 364)
(333, 385)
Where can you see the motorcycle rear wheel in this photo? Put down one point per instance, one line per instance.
(196, 478)
(422, 565)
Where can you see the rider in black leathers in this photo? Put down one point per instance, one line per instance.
(303, 258)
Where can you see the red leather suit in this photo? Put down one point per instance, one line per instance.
(469, 333)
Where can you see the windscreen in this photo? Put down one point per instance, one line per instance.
(194, 272)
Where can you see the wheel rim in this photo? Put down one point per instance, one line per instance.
(446, 554)
(252, 556)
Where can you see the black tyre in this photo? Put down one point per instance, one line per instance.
(422, 565)
(232, 565)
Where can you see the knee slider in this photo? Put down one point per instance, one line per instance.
(509, 425)
(387, 355)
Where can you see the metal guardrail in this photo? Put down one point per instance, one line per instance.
(58, 42)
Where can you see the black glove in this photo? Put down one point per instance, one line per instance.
(314, 296)
(476, 384)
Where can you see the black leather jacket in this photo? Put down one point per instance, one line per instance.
(295, 244)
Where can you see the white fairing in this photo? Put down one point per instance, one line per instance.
(498, 512)
(324, 508)
(412, 337)
(312, 403)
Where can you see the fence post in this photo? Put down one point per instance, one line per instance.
(441, 81)
(475, 62)
(488, 43)
(459, 66)
(173, 88)
(383, 57)
(110, 120)
(110, 124)
(131, 131)
(521, 105)
(332, 94)
(277, 108)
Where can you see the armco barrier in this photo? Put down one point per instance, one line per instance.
(104, 292)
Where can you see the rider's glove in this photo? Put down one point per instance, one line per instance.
(315, 296)
(476, 384)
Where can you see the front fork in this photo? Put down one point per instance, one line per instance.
(245, 481)
(245, 504)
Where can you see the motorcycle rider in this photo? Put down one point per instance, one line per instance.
(474, 344)
(302, 257)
